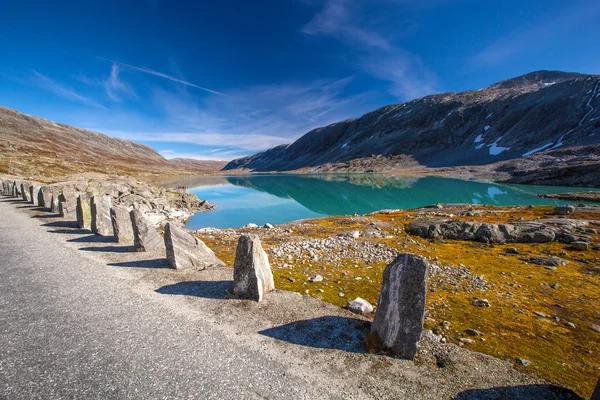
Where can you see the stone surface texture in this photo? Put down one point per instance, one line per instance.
(122, 227)
(400, 312)
(84, 211)
(101, 223)
(187, 251)
(252, 275)
(146, 238)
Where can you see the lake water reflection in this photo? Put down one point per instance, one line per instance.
(282, 198)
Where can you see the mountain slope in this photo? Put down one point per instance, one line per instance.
(507, 120)
(36, 147)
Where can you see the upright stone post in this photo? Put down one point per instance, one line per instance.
(252, 275)
(400, 312)
(101, 222)
(34, 194)
(84, 211)
(122, 226)
(25, 193)
(67, 204)
(187, 251)
(54, 203)
(146, 238)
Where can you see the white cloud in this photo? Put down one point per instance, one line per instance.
(240, 142)
(224, 155)
(63, 91)
(113, 85)
(335, 19)
(374, 52)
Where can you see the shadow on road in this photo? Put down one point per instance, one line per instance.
(206, 289)
(328, 332)
(62, 224)
(45, 216)
(111, 249)
(525, 392)
(157, 263)
(93, 239)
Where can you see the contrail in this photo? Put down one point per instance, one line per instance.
(147, 70)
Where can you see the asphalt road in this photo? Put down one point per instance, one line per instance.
(69, 329)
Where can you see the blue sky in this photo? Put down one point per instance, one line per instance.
(219, 80)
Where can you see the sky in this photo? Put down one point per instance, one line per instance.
(220, 80)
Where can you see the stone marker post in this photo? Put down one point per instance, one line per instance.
(187, 251)
(252, 276)
(122, 227)
(67, 204)
(101, 223)
(146, 238)
(25, 193)
(400, 312)
(84, 211)
(34, 193)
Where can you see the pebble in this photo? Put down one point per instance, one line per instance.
(554, 286)
(465, 340)
(316, 278)
(481, 303)
(595, 327)
(540, 314)
(341, 294)
(473, 332)
(523, 362)
(512, 250)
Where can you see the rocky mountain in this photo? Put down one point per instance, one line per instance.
(36, 147)
(508, 120)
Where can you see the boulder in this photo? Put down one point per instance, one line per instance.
(121, 223)
(580, 245)
(67, 205)
(34, 194)
(525, 232)
(101, 223)
(400, 312)
(252, 276)
(187, 251)
(145, 236)
(84, 211)
(360, 306)
(564, 210)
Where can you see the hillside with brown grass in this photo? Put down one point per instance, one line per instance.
(36, 147)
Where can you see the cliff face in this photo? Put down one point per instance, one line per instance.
(510, 119)
(36, 147)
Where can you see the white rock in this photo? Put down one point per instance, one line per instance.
(360, 306)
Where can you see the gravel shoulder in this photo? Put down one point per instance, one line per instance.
(84, 317)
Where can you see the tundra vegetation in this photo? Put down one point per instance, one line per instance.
(537, 313)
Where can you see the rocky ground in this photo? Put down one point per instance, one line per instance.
(320, 341)
(589, 197)
(531, 300)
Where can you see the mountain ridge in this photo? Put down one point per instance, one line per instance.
(506, 120)
(37, 147)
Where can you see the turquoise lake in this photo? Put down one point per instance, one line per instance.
(282, 198)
